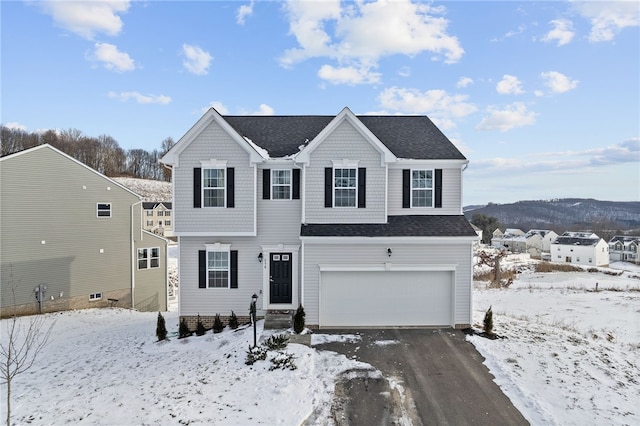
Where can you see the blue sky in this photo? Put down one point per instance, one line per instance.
(542, 97)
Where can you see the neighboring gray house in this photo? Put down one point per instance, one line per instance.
(624, 248)
(357, 218)
(77, 232)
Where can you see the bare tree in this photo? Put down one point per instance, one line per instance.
(21, 343)
(492, 259)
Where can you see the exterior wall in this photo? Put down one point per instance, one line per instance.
(214, 143)
(451, 192)
(150, 291)
(436, 253)
(50, 233)
(580, 255)
(345, 143)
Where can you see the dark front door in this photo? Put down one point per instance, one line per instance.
(280, 278)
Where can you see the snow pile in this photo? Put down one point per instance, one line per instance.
(149, 190)
(103, 366)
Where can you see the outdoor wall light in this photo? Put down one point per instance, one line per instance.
(389, 252)
(260, 257)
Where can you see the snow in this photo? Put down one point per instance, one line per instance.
(148, 189)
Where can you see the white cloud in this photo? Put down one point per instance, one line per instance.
(13, 125)
(441, 107)
(464, 82)
(87, 18)
(348, 75)
(244, 11)
(111, 58)
(562, 32)
(514, 115)
(608, 18)
(509, 85)
(264, 109)
(140, 98)
(196, 60)
(558, 82)
(363, 32)
(404, 71)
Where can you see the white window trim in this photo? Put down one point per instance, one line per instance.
(148, 258)
(98, 210)
(218, 247)
(355, 188)
(290, 184)
(433, 177)
(95, 296)
(224, 187)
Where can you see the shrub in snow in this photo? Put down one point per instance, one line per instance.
(233, 321)
(277, 342)
(280, 360)
(200, 330)
(183, 329)
(283, 361)
(298, 320)
(257, 353)
(161, 328)
(218, 326)
(488, 321)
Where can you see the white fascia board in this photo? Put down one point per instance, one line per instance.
(214, 234)
(404, 163)
(269, 163)
(171, 157)
(280, 247)
(386, 155)
(388, 240)
(388, 266)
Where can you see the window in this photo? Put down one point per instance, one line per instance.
(167, 213)
(160, 212)
(149, 212)
(149, 223)
(95, 296)
(167, 223)
(281, 184)
(148, 258)
(213, 187)
(422, 188)
(104, 209)
(218, 269)
(344, 187)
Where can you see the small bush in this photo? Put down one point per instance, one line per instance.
(488, 321)
(218, 326)
(283, 361)
(161, 328)
(200, 330)
(233, 321)
(183, 329)
(559, 267)
(298, 320)
(257, 353)
(277, 342)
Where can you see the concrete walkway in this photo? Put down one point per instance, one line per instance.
(431, 377)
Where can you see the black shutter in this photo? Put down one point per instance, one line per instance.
(231, 199)
(234, 269)
(328, 187)
(406, 188)
(202, 269)
(438, 200)
(362, 187)
(266, 184)
(197, 187)
(296, 184)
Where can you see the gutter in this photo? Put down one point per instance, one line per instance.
(133, 257)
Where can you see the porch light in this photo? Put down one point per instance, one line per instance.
(259, 260)
(389, 252)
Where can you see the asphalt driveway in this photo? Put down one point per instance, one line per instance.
(430, 376)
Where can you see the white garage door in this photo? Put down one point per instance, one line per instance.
(386, 298)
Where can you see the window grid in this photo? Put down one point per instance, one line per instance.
(218, 269)
(149, 258)
(422, 188)
(213, 187)
(345, 187)
(104, 209)
(281, 184)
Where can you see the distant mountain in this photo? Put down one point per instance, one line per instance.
(563, 214)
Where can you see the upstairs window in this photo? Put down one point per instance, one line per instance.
(422, 188)
(160, 212)
(345, 187)
(281, 184)
(104, 210)
(149, 212)
(167, 213)
(213, 187)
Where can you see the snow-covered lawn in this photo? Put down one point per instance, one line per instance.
(103, 366)
(570, 354)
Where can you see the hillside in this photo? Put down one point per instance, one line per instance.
(563, 214)
(149, 190)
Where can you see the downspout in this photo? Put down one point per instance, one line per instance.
(133, 256)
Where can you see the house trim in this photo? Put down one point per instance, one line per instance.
(387, 240)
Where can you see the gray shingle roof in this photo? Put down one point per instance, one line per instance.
(406, 136)
(398, 226)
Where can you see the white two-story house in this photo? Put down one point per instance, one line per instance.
(356, 218)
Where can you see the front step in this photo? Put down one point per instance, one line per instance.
(276, 320)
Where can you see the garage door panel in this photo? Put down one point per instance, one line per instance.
(385, 298)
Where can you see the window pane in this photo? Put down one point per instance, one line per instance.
(142, 264)
(345, 198)
(142, 253)
(155, 252)
(218, 279)
(155, 263)
(421, 198)
(281, 192)
(213, 178)
(281, 177)
(214, 197)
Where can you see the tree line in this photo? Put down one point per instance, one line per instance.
(102, 153)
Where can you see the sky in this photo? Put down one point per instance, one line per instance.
(542, 97)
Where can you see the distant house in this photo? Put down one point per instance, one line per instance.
(157, 218)
(69, 228)
(535, 242)
(479, 233)
(582, 248)
(624, 248)
(506, 239)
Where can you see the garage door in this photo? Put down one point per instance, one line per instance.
(385, 298)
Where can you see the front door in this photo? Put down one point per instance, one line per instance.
(280, 279)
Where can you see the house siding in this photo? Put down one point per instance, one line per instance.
(214, 143)
(451, 192)
(345, 142)
(376, 254)
(598, 253)
(150, 291)
(47, 197)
